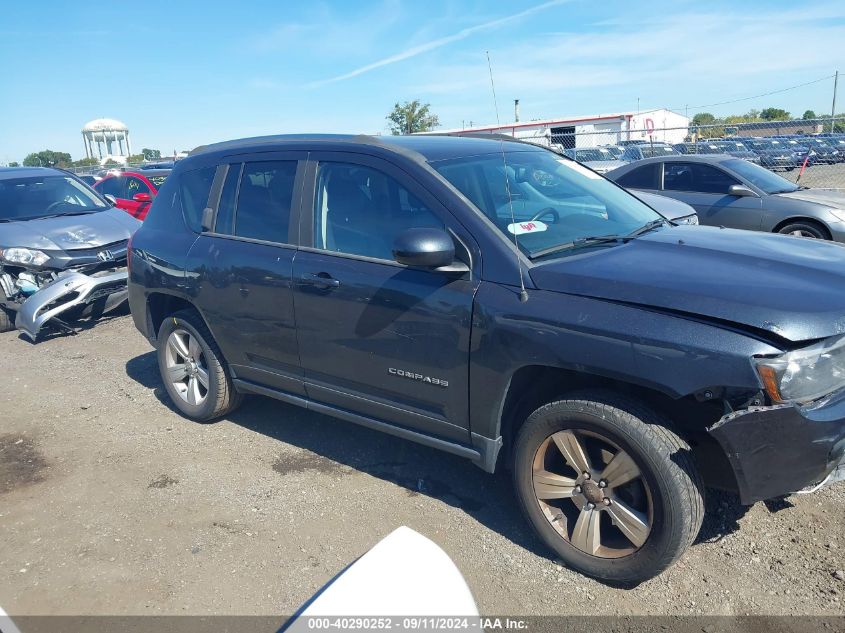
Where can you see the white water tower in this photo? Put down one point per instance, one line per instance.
(106, 138)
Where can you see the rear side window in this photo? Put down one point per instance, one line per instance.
(194, 187)
(645, 177)
(265, 195)
(697, 177)
(111, 186)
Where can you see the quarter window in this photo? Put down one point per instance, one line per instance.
(194, 187)
(265, 196)
(360, 211)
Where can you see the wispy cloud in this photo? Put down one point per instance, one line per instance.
(440, 42)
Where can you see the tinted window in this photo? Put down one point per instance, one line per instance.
(696, 177)
(645, 177)
(264, 200)
(193, 189)
(39, 196)
(111, 186)
(225, 222)
(359, 210)
(760, 177)
(136, 185)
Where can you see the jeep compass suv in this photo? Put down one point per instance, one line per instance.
(497, 301)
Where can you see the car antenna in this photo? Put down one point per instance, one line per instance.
(523, 294)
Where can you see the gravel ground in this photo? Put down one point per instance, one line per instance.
(111, 503)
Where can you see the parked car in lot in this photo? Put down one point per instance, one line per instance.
(640, 151)
(823, 151)
(596, 158)
(737, 150)
(515, 310)
(727, 191)
(698, 148)
(62, 249)
(133, 191)
(799, 147)
(773, 155)
(88, 179)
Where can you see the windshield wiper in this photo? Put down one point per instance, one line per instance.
(590, 240)
(645, 228)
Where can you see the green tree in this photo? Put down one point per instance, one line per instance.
(703, 118)
(14, 163)
(111, 163)
(808, 114)
(136, 159)
(151, 154)
(48, 158)
(774, 114)
(86, 162)
(410, 117)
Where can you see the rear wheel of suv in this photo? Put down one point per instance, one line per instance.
(193, 369)
(804, 229)
(608, 486)
(7, 320)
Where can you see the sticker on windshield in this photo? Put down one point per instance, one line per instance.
(579, 168)
(521, 228)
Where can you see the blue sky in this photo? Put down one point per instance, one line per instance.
(184, 73)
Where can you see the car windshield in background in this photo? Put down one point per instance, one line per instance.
(45, 196)
(657, 150)
(760, 177)
(593, 154)
(557, 203)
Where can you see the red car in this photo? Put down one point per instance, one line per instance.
(133, 191)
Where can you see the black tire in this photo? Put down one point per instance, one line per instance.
(663, 459)
(806, 228)
(221, 397)
(7, 320)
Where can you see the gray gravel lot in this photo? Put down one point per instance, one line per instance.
(111, 503)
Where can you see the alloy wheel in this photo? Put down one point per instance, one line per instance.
(592, 493)
(186, 367)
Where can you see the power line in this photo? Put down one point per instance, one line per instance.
(765, 94)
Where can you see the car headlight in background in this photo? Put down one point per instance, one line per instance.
(23, 256)
(687, 219)
(805, 374)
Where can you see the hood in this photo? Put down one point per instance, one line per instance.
(790, 287)
(70, 232)
(835, 199)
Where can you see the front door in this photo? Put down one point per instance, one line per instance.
(706, 189)
(244, 265)
(377, 338)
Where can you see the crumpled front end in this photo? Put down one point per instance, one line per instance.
(69, 290)
(784, 449)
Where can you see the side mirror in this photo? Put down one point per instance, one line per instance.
(741, 191)
(142, 197)
(110, 198)
(424, 248)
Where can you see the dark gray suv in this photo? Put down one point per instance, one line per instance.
(497, 301)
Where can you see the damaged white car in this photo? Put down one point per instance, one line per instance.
(62, 250)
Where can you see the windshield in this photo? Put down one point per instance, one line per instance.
(43, 196)
(594, 154)
(555, 201)
(614, 151)
(760, 177)
(657, 150)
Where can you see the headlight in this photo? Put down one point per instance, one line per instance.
(805, 374)
(689, 219)
(23, 256)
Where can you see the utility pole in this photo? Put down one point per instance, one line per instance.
(833, 107)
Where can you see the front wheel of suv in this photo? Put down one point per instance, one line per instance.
(608, 486)
(192, 367)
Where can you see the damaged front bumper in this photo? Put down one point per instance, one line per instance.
(783, 449)
(68, 291)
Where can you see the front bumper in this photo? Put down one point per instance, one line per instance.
(69, 290)
(779, 450)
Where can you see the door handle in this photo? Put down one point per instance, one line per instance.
(323, 280)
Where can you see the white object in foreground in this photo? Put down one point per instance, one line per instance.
(404, 574)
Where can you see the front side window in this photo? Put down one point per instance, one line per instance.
(360, 211)
(194, 187)
(696, 177)
(265, 195)
(136, 185)
(42, 196)
(548, 202)
(111, 186)
(761, 177)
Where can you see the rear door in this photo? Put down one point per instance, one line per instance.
(706, 188)
(378, 338)
(244, 263)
